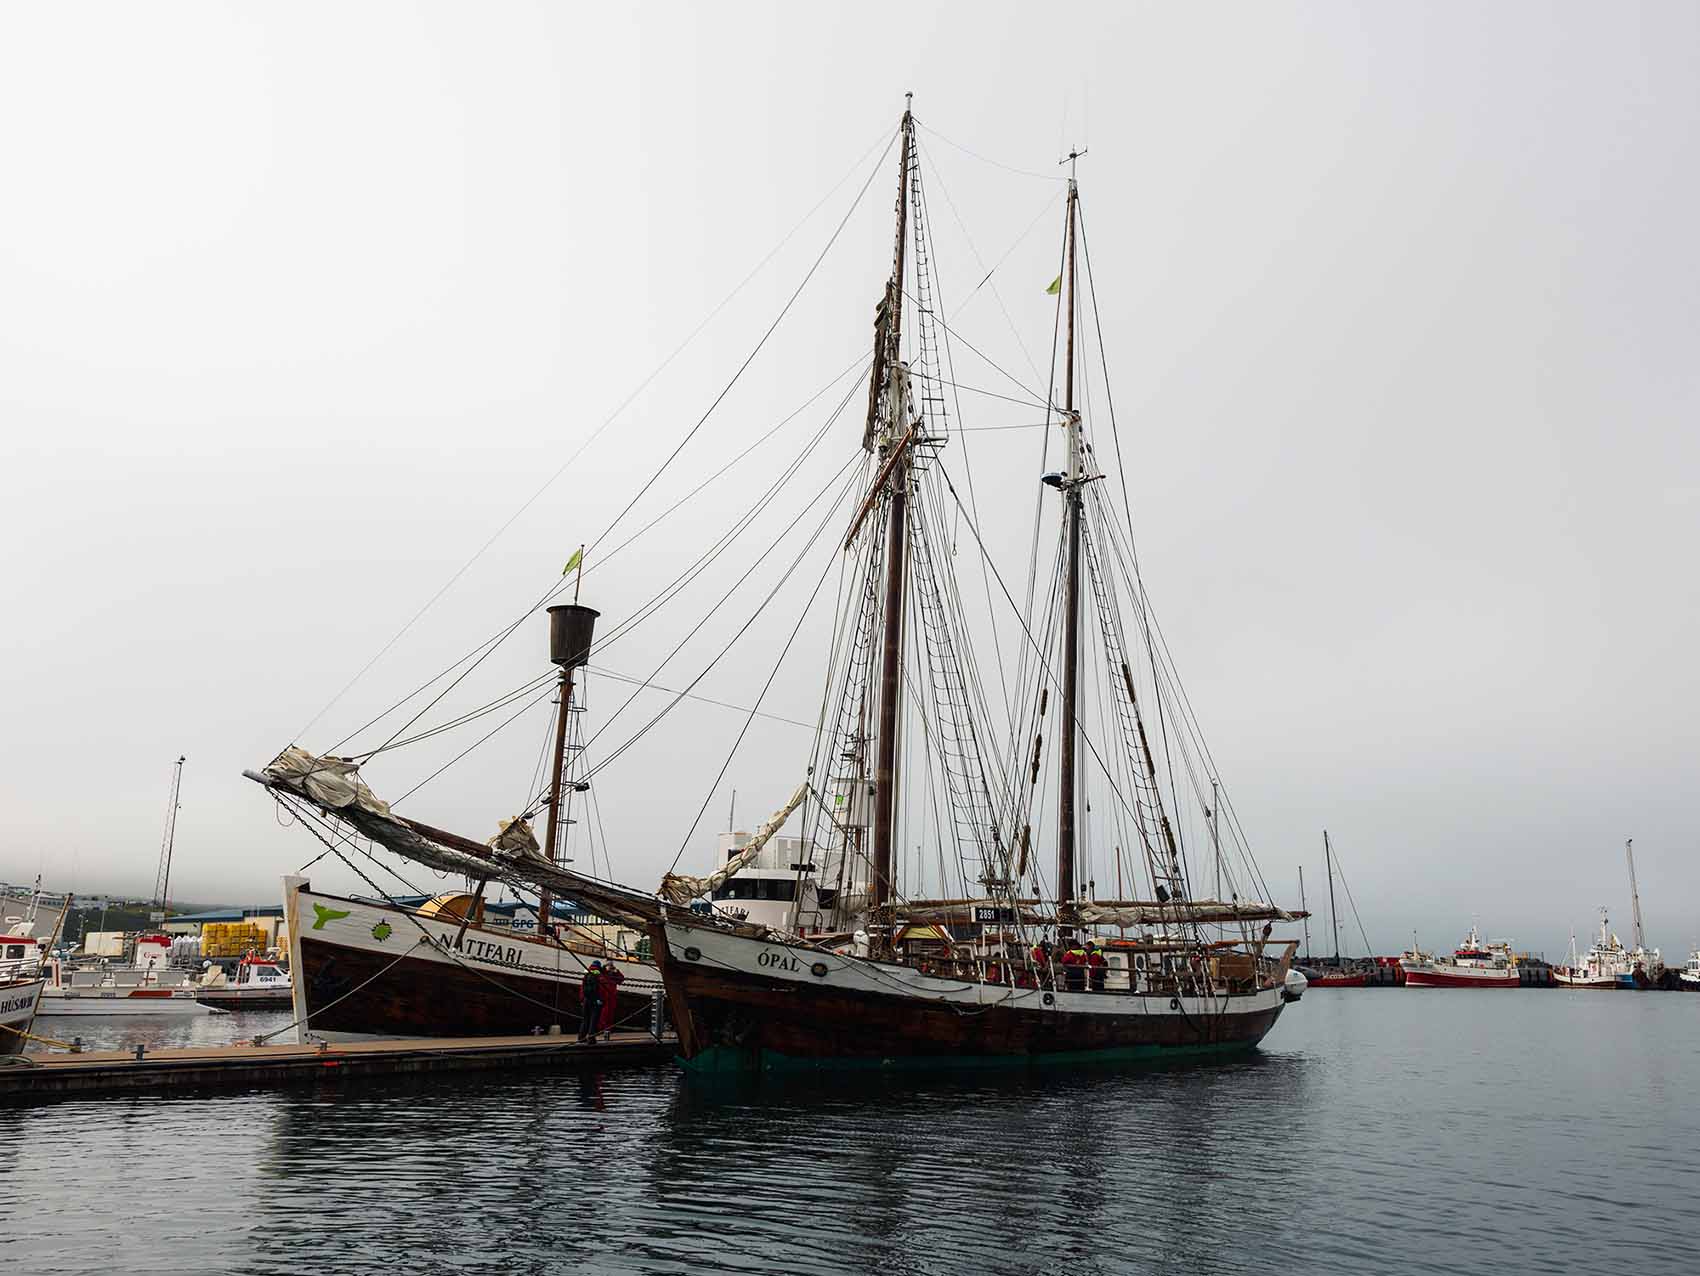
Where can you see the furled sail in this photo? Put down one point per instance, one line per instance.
(334, 786)
(1130, 912)
(515, 837)
(328, 782)
(681, 888)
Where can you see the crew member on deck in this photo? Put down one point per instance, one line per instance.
(1097, 965)
(1074, 967)
(1041, 956)
(590, 1002)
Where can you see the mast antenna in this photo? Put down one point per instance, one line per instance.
(162, 881)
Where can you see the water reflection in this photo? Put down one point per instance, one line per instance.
(1388, 1134)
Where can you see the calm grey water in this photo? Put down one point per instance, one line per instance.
(1380, 1130)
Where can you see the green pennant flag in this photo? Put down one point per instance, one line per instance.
(1055, 288)
(574, 561)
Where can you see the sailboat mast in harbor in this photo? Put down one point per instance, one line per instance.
(1333, 917)
(162, 880)
(1067, 783)
(1305, 909)
(571, 627)
(893, 447)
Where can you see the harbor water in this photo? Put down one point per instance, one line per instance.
(1377, 1130)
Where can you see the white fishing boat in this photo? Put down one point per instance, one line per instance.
(1689, 979)
(148, 984)
(1609, 963)
(1603, 964)
(21, 982)
(257, 983)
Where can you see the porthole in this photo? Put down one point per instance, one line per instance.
(819, 970)
(1049, 999)
(693, 954)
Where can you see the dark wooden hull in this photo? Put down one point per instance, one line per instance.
(730, 1018)
(417, 997)
(270, 999)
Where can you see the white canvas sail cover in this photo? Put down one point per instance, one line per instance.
(514, 837)
(1131, 912)
(332, 782)
(333, 785)
(681, 888)
(1208, 911)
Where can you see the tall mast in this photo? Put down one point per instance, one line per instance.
(1216, 831)
(1333, 920)
(1305, 909)
(162, 886)
(570, 629)
(1070, 726)
(1634, 895)
(888, 347)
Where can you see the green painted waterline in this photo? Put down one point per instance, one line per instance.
(721, 1060)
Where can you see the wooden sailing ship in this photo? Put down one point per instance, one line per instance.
(990, 990)
(368, 966)
(1017, 965)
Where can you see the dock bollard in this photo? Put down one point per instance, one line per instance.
(140, 1051)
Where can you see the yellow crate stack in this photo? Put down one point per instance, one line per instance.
(230, 939)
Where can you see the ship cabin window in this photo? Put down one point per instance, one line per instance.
(780, 888)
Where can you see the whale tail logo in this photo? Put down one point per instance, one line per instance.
(321, 915)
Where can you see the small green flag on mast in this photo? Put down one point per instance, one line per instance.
(575, 562)
(1055, 288)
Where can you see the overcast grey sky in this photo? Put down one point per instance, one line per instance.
(298, 305)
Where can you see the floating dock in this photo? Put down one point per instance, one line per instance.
(250, 1066)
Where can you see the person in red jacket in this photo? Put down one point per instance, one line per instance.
(1041, 959)
(1097, 965)
(1074, 967)
(612, 978)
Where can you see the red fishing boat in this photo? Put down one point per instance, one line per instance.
(1473, 964)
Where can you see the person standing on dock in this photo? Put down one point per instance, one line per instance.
(612, 978)
(590, 1002)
